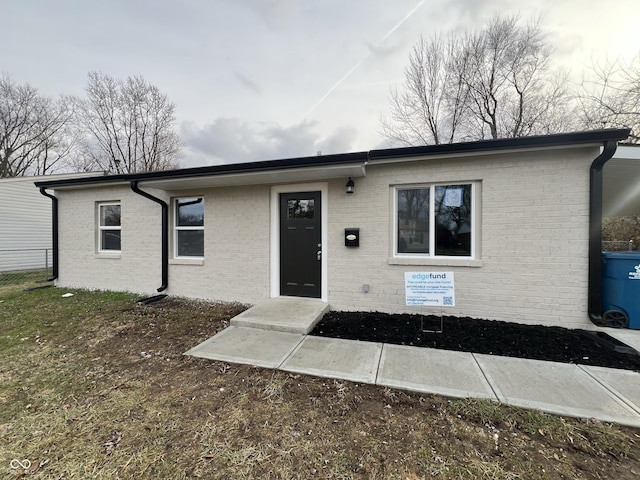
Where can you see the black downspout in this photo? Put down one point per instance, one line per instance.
(54, 232)
(595, 232)
(165, 233)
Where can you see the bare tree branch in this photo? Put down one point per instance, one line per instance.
(129, 125)
(492, 83)
(434, 101)
(34, 131)
(610, 97)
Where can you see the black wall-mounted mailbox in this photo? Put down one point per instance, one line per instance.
(351, 237)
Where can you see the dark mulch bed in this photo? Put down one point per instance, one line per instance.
(482, 336)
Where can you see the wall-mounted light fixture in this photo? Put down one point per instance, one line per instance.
(351, 187)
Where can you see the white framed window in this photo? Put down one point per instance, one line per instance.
(435, 220)
(188, 238)
(109, 227)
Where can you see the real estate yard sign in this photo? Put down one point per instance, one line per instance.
(429, 289)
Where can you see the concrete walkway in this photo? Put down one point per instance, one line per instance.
(567, 389)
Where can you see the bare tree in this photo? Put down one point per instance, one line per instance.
(488, 84)
(129, 126)
(34, 131)
(435, 97)
(513, 89)
(611, 97)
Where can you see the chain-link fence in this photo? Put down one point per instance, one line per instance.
(29, 266)
(618, 246)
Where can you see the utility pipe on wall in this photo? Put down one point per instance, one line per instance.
(165, 233)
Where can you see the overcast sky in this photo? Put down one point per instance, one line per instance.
(264, 79)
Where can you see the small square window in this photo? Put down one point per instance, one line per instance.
(189, 227)
(109, 227)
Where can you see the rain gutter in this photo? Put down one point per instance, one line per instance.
(54, 232)
(165, 233)
(594, 308)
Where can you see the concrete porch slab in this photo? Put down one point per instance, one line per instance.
(335, 358)
(553, 387)
(283, 314)
(427, 370)
(249, 346)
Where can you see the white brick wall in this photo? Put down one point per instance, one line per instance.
(138, 268)
(236, 264)
(532, 240)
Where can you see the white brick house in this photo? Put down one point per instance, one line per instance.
(516, 220)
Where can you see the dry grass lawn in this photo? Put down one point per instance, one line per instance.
(97, 386)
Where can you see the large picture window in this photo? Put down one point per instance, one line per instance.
(109, 228)
(434, 220)
(189, 227)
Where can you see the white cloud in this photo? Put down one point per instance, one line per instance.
(276, 14)
(242, 73)
(232, 140)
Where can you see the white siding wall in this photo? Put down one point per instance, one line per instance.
(25, 225)
(25, 222)
(533, 240)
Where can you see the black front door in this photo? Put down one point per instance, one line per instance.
(300, 244)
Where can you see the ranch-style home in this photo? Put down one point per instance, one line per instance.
(517, 222)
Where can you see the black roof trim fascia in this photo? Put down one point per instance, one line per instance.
(541, 141)
(249, 167)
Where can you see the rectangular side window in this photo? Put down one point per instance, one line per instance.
(109, 227)
(189, 227)
(413, 220)
(434, 220)
(453, 220)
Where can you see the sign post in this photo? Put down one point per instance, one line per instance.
(430, 289)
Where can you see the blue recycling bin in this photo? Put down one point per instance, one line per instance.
(621, 289)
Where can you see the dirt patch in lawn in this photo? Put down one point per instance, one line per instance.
(97, 386)
(482, 336)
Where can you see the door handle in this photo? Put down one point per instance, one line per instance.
(319, 255)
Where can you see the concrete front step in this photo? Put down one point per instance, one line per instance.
(283, 314)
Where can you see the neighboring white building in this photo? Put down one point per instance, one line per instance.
(516, 220)
(25, 222)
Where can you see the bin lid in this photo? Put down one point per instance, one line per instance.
(634, 255)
